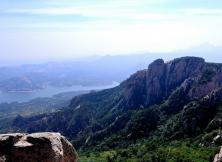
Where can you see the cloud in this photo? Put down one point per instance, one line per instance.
(119, 10)
(90, 12)
(201, 11)
(100, 16)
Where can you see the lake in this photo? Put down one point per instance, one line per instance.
(48, 92)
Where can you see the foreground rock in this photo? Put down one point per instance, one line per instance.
(36, 147)
(218, 157)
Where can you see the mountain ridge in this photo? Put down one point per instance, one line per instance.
(169, 99)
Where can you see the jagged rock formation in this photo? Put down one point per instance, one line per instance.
(36, 147)
(156, 83)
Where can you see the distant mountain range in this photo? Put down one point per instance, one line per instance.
(96, 70)
(101, 71)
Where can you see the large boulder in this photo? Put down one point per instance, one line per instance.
(218, 157)
(36, 147)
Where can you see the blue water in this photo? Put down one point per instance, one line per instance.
(48, 92)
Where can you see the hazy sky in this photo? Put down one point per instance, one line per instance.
(43, 29)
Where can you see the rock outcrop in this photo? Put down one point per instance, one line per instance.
(163, 78)
(218, 157)
(36, 147)
(151, 86)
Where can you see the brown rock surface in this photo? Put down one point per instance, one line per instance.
(36, 147)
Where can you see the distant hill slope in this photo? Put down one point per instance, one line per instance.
(38, 105)
(178, 99)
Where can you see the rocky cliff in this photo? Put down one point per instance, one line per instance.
(37, 147)
(156, 84)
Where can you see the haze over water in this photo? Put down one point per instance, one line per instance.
(48, 92)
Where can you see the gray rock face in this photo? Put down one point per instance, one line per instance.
(163, 78)
(155, 81)
(36, 147)
(151, 86)
(134, 93)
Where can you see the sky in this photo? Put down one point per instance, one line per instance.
(65, 29)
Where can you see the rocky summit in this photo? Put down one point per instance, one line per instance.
(36, 147)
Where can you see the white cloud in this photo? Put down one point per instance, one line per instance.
(202, 11)
(98, 13)
(105, 11)
(128, 9)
